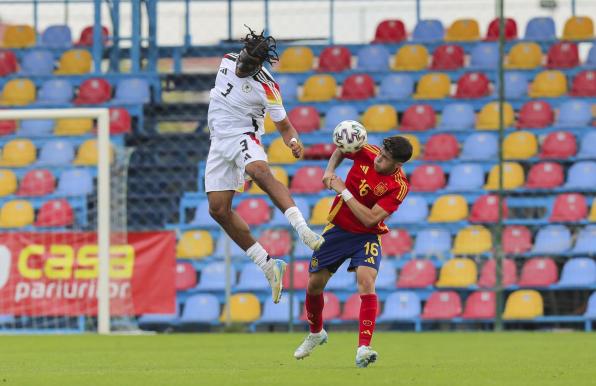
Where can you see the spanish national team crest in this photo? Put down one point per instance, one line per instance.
(246, 87)
(380, 189)
(314, 263)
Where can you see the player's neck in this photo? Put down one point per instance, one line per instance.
(392, 172)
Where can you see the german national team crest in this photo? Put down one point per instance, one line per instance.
(246, 87)
(380, 189)
(314, 263)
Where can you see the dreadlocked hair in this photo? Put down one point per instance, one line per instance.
(261, 46)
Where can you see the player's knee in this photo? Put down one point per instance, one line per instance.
(220, 213)
(366, 285)
(261, 175)
(314, 288)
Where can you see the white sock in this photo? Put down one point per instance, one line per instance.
(258, 255)
(296, 219)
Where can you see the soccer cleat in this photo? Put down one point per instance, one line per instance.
(275, 277)
(309, 344)
(365, 356)
(311, 239)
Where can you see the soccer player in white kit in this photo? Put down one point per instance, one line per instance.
(243, 92)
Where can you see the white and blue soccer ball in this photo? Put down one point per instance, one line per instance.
(349, 136)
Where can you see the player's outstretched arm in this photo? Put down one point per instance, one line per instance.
(333, 163)
(369, 217)
(290, 137)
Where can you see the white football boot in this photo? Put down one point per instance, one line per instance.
(311, 239)
(275, 277)
(365, 356)
(310, 343)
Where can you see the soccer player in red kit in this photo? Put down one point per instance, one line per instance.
(375, 187)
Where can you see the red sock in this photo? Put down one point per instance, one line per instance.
(368, 315)
(314, 312)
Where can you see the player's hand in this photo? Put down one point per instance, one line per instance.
(297, 149)
(327, 179)
(337, 184)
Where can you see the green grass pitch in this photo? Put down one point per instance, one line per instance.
(454, 359)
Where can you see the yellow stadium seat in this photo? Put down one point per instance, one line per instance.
(525, 55)
(415, 144)
(16, 214)
(513, 177)
(319, 88)
(548, 84)
(488, 117)
(380, 118)
(472, 240)
(88, 153)
(74, 62)
(73, 126)
(520, 145)
(279, 173)
(18, 153)
(279, 153)
(578, 28)
(244, 308)
(458, 272)
(18, 92)
(524, 304)
(194, 245)
(19, 36)
(592, 216)
(296, 59)
(269, 125)
(449, 208)
(463, 30)
(411, 57)
(8, 182)
(320, 212)
(434, 85)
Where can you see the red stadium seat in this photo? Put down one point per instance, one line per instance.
(472, 85)
(441, 147)
(516, 239)
(442, 305)
(427, 178)
(417, 274)
(539, 272)
(86, 38)
(488, 274)
(562, 55)
(448, 57)
(8, 63)
(55, 213)
(569, 207)
(335, 59)
(319, 151)
(94, 91)
(480, 305)
(331, 310)
(390, 31)
(277, 242)
(186, 276)
(305, 119)
(418, 118)
(254, 211)
(358, 87)
(300, 275)
(307, 179)
(584, 84)
(560, 145)
(396, 242)
(536, 114)
(351, 310)
(8, 127)
(486, 210)
(510, 29)
(545, 175)
(39, 182)
(120, 121)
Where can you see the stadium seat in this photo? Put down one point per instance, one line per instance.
(418, 117)
(465, 177)
(319, 88)
(132, 91)
(448, 57)
(458, 272)
(202, 218)
(488, 274)
(559, 145)
(581, 175)
(548, 84)
(55, 213)
(441, 147)
(590, 60)
(186, 276)
(472, 85)
(296, 59)
(400, 305)
(307, 179)
(278, 152)
(339, 113)
(410, 57)
(472, 240)
(194, 245)
(442, 305)
(372, 58)
(37, 63)
(200, 309)
(278, 172)
(413, 210)
(288, 86)
(8, 62)
(562, 55)
(486, 209)
(223, 243)
(94, 91)
(252, 278)
(520, 145)
(16, 214)
(432, 242)
(342, 279)
(37, 182)
(428, 31)
(280, 312)
(19, 36)
(74, 62)
(459, 116)
(255, 211)
(480, 305)
(358, 87)
(434, 85)
(585, 242)
(415, 142)
(380, 118)
(545, 175)
(449, 208)
(494, 28)
(516, 239)
(86, 37)
(335, 59)
(88, 153)
(591, 307)
(56, 153)
(305, 119)
(523, 304)
(277, 242)
(8, 127)
(427, 178)
(319, 151)
(8, 182)
(396, 87)
(417, 274)
(584, 84)
(18, 92)
(513, 177)
(396, 242)
(152, 321)
(463, 30)
(331, 310)
(538, 272)
(55, 91)
(516, 85)
(351, 309)
(120, 121)
(300, 275)
(36, 128)
(390, 31)
(569, 207)
(479, 146)
(535, 114)
(578, 272)
(213, 277)
(574, 113)
(552, 239)
(540, 29)
(18, 153)
(56, 36)
(578, 28)
(484, 56)
(320, 211)
(592, 216)
(588, 146)
(524, 56)
(244, 308)
(73, 126)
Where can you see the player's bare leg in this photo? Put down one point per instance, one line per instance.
(220, 208)
(280, 195)
(366, 277)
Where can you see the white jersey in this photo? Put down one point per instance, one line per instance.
(238, 105)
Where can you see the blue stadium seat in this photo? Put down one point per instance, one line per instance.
(213, 277)
(7, 320)
(591, 59)
(75, 182)
(540, 28)
(36, 127)
(582, 175)
(428, 31)
(574, 113)
(301, 250)
(235, 250)
(480, 146)
(344, 169)
(396, 87)
(585, 242)
(56, 153)
(202, 217)
(414, 210)
(432, 242)
(466, 178)
(280, 312)
(57, 36)
(578, 272)
(591, 308)
(484, 56)
(342, 279)
(280, 219)
(339, 113)
(37, 62)
(200, 309)
(387, 276)
(251, 279)
(587, 146)
(288, 86)
(373, 58)
(516, 85)
(56, 91)
(151, 320)
(458, 116)
(552, 239)
(132, 91)
(400, 305)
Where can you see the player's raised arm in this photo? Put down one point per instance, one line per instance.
(333, 163)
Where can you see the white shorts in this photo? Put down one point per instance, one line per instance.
(227, 159)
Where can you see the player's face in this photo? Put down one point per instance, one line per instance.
(247, 65)
(384, 164)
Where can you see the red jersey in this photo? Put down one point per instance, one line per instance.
(369, 188)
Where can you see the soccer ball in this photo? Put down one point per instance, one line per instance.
(349, 136)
